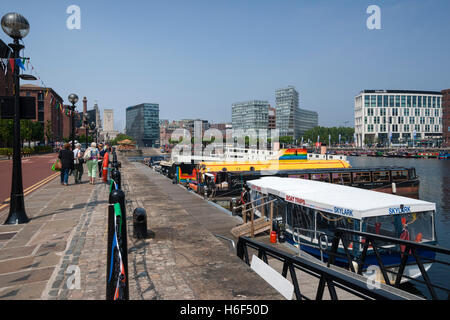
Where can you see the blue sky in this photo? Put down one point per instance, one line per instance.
(196, 58)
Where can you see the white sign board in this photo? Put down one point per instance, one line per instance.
(272, 277)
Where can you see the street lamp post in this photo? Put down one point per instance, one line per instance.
(73, 98)
(17, 27)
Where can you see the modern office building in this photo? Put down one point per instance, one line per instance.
(446, 118)
(142, 124)
(290, 119)
(308, 120)
(248, 115)
(397, 116)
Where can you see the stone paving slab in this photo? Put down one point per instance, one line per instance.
(64, 240)
(183, 259)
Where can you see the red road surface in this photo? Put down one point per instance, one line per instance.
(34, 169)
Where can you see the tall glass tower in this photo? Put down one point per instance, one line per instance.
(143, 124)
(286, 101)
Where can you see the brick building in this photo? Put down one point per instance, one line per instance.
(6, 81)
(46, 101)
(446, 118)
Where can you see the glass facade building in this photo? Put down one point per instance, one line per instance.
(398, 116)
(250, 115)
(290, 119)
(142, 124)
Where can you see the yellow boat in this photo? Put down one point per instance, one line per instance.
(287, 159)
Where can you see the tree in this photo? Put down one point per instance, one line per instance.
(37, 131)
(323, 133)
(120, 137)
(49, 131)
(6, 132)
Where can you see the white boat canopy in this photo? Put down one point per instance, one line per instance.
(342, 200)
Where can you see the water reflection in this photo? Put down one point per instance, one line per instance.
(434, 176)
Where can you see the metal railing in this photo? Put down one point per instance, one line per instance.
(117, 248)
(330, 277)
(408, 252)
(322, 237)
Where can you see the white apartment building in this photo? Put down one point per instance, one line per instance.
(397, 116)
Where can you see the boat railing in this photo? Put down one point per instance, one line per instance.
(409, 252)
(321, 237)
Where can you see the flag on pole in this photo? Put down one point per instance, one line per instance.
(11, 62)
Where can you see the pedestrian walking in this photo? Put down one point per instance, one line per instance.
(66, 157)
(100, 159)
(91, 157)
(78, 163)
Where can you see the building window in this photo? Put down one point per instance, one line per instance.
(400, 120)
(373, 101)
(379, 101)
(434, 102)
(429, 102)
(391, 101)
(419, 101)
(414, 101)
(431, 120)
(397, 101)
(385, 101)
(406, 112)
(395, 112)
(406, 128)
(427, 112)
(436, 128)
(438, 102)
(411, 120)
(408, 101)
(417, 112)
(422, 120)
(366, 100)
(417, 127)
(403, 101)
(382, 112)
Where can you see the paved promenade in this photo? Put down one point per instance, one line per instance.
(61, 252)
(62, 247)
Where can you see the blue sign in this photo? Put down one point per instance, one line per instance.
(399, 210)
(345, 212)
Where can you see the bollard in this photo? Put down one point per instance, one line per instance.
(116, 239)
(139, 223)
(115, 175)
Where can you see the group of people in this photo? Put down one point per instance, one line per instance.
(72, 162)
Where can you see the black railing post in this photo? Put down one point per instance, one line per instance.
(117, 239)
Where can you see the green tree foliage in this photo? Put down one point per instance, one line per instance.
(324, 132)
(49, 131)
(120, 137)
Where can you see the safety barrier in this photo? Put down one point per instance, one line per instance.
(408, 252)
(330, 277)
(117, 250)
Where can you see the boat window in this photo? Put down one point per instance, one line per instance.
(320, 177)
(341, 178)
(328, 222)
(302, 217)
(419, 226)
(359, 177)
(299, 176)
(381, 176)
(400, 175)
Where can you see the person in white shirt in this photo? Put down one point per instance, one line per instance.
(78, 163)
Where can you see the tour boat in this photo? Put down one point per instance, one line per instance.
(312, 210)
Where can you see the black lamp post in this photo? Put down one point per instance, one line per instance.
(17, 27)
(73, 98)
